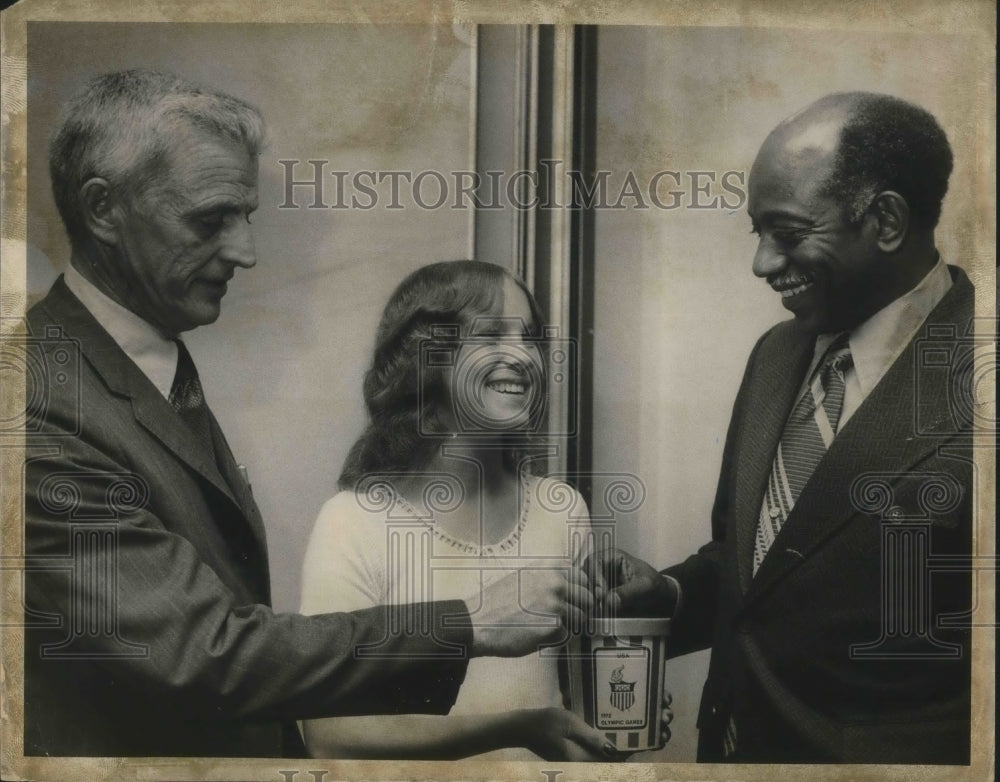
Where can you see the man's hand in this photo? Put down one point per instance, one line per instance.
(528, 609)
(627, 586)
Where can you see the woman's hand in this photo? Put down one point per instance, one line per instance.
(556, 734)
(559, 734)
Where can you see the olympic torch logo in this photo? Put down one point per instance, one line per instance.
(622, 692)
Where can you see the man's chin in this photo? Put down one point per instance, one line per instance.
(807, 307)
(203, 315)
(811, 322)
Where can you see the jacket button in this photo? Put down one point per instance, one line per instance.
(715, 710)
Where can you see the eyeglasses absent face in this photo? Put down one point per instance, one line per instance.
(497, 381)
(182, 239)
(824, 267)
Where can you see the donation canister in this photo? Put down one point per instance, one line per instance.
(616, 680)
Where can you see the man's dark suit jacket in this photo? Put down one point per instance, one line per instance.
(782, 664)
(163, 642)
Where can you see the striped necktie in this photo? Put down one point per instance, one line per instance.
(807, 435)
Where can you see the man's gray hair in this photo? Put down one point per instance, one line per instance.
(119, 127)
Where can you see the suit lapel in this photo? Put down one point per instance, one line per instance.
(771, 395)
(150, 409)
(153, 412)
(881, 437)
(230, 471)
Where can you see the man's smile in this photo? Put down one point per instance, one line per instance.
(792, 284)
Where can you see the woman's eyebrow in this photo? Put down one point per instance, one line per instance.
(512, 324)
(489, 322)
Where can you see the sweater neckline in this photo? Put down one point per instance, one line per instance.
(472, 548)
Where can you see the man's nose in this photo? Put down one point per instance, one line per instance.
(238, 245)
(768, 259)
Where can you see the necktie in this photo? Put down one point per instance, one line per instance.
(188, 399)
(807, 435)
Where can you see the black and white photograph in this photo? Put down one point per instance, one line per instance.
(544, 392)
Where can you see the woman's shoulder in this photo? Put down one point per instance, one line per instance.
(556, 495)
(343, 567)
(557, 518)
(350, 513)
(342, 505)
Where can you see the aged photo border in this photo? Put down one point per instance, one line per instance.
(968, 17)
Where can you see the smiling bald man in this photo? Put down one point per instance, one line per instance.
(847, 461)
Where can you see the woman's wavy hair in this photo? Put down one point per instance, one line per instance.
(407, 396)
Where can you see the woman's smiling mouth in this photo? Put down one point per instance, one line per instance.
(507, 387)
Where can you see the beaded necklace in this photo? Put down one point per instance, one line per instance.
(474, 549)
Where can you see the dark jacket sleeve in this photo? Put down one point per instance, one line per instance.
(699, 575)
(139, 600)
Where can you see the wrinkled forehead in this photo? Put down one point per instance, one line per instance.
(193, 158)
(190, 144)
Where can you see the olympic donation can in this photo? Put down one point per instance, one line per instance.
(616, 679)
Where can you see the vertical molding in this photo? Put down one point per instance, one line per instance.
(528, 52)
(506, 123)
(581, 253)
(564, 270)
(535, 101)
(559, 148)
(474, 78)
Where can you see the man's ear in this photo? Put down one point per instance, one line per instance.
(99, 210)
(892, 214)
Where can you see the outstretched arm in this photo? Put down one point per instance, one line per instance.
(551, 733)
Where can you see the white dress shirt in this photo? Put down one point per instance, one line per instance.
(875, 345)
(878, 342)
(153, 353)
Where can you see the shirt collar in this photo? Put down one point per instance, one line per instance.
(879, 341)
(154, 354)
